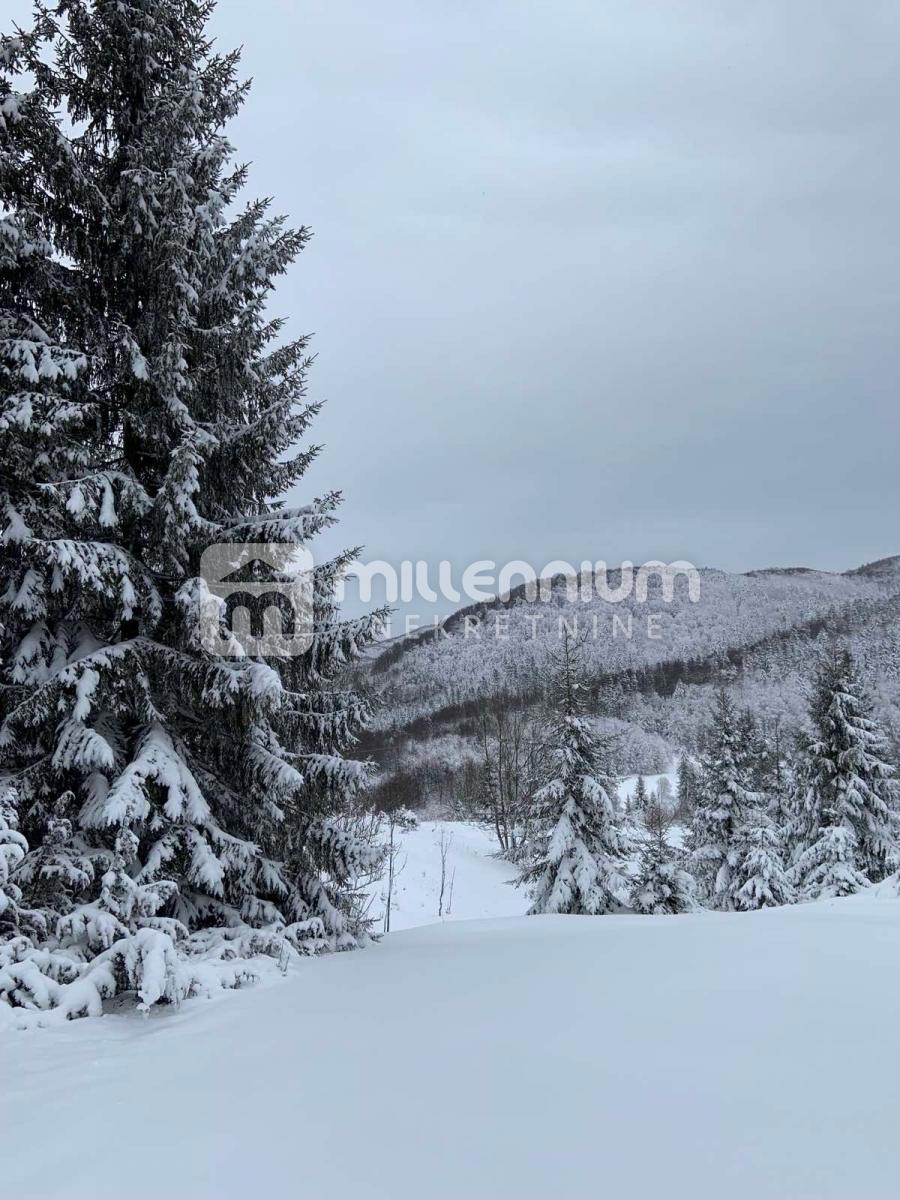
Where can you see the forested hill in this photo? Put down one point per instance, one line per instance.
(654, 663)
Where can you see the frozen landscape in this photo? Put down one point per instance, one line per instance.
(505, 803)
(751, 1054)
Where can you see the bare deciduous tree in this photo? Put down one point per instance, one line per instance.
(446, 841)
(394, 820)
(512, 767)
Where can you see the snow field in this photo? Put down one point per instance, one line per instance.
(706, 1056)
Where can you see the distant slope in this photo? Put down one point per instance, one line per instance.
(748, 622)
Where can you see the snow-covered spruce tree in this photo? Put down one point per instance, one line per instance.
(13, 849)
(686, 787)
(754, 749)
(171, 798)
(845, 816)
(28, 975)
(639, 800)
(662, 885)
(759, 878)
(723, 799)
(579, 847)
(783, 792)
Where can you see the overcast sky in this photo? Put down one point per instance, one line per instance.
(592, 278)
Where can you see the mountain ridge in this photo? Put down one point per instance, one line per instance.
(758, 633)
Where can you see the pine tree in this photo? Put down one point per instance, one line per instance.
(761, 754)
(724, 798)
(759, 879)
(775, 776)
(686, 788)
(28, 976)
(578, 857)
(661, 885)
(783, 792)
(639, 800)
(148, 411)
(844, 830)
(13, 849)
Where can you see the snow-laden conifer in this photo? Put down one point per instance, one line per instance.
(13, 849)
(759, 878)
(686, 787)
(579, 847)
(722, 802)
(661, 885)
(639, 799)
(149, 409)
(845, 821)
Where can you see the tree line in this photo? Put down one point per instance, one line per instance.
(763, 822)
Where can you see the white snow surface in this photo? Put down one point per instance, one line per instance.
(481, 882)
(651, 782)
(703, 1056)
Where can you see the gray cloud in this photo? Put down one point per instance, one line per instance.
(592, 279)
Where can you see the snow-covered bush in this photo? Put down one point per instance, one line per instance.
(662, 885)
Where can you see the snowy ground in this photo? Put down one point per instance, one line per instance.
(651, 782)
(476, 883)
(710, 1056)
(720, 1056)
